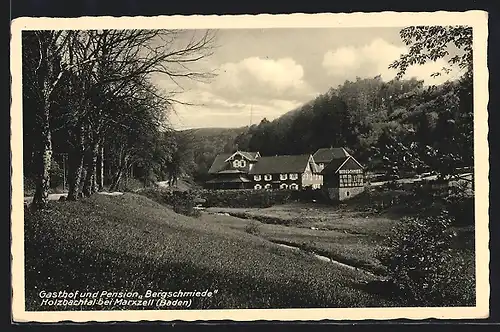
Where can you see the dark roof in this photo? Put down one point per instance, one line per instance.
(334, 165)
(247, 154)
(237, 179)
(219, 163)
(325, 155)
(231, 171)
(281, 164)
(314, 167)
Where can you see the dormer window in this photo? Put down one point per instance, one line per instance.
(283, 176)
(268, 177)
(257, 177)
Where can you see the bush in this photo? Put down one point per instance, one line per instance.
(29, 185)
(252, 228)
(130, 185)
(419, 264)
(245, 198)
(182, 202)
(56, 175)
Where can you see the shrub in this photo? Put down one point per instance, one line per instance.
(182, 202)
(252, 228)
(245, 198)
(130, 185)
(419, 264)
(56, 175)
(29, 185)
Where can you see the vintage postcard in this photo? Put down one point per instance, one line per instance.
(268, 167)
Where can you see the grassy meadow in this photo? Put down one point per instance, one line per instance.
(132, 243)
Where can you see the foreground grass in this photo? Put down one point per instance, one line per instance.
(342, 233)
(130, 243)
(349, 238)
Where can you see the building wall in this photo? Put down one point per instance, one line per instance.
(342, 194)
(309, 179)
(275, 180)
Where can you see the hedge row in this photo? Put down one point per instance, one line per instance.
(245, 198)
(237, 198)
(182, 202)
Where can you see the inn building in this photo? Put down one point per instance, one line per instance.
(334, 170)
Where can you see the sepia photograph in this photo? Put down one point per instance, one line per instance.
(326, 166)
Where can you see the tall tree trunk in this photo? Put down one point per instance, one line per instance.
(90, 185)
(44, 156)
(121, 170)
(76, 168)
(100, 177)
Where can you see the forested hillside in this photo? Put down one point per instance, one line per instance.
(396, 126)
(206, 143)
(372, 118)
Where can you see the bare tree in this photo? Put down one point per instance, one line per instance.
(47, 47)
(122, 64)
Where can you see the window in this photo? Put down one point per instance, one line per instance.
(239, 163)
(283, 186)
(267, 186)
(283, 177)
(351, 180)
(257, 177)
(257, 186)
(268, 177)
(294, 176)
(294, 186)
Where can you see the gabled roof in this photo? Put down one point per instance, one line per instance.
(237, 179)
(325, 155)
(336, 164)
(246, 154)
(314, 167)
(281, 164)
(219, 163)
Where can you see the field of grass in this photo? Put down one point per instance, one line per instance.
(348, 237)
(130, 243)
(349, 234)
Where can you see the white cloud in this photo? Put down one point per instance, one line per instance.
(373, 59)
(258, 77)
(214, 111)
(244, 92)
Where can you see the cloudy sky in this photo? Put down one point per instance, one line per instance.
(268, 72)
